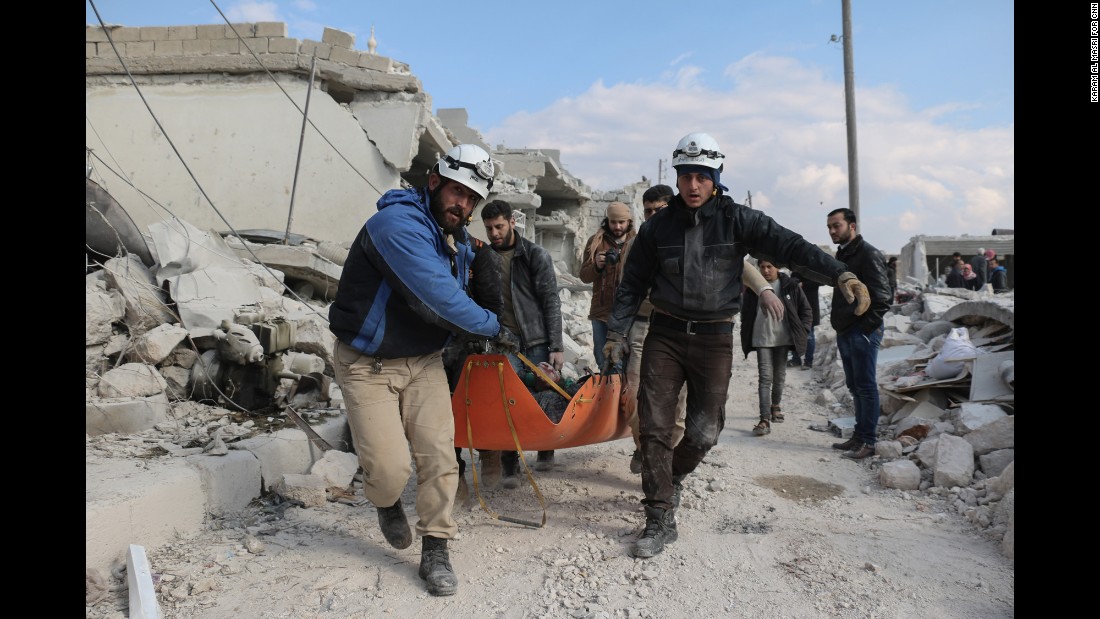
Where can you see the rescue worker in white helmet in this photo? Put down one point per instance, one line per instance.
(402, 296)
(688, 260)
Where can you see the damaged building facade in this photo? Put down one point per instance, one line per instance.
(231, 99)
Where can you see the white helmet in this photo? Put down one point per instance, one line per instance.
(470, 165)
(698, 149)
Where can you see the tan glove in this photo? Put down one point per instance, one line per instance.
(615, 348)
(854, 291)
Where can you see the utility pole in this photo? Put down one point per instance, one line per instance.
(850, 110)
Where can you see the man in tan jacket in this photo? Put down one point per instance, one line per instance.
(601, 268)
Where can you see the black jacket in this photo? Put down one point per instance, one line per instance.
(796, 313)
(688, 261)
(535, 300)
(810, 289)
(866, 262)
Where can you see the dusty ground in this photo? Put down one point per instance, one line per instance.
(775, 526)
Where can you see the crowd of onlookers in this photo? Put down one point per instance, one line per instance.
(984, 268)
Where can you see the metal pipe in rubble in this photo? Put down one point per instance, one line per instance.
(301, 141)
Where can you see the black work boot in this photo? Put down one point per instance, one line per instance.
(395, 526)
(509, 462)
(677, 490)
(435, 567)
(545, 461)
(660, 529)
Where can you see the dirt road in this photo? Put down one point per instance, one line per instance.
(775, 526)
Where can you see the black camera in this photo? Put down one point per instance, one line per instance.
(611, 256)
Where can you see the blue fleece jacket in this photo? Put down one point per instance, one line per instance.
(402, 290)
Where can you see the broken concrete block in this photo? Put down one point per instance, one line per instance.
(954, 462)
(888, 450)
(144, 301)
(905, 425)
(177, 379)
(900, 474)
(102, 308)
(918, 410)
(337, 468)
(999, 434)
(131, 380)
(308, 489)
(156, 344)
(994, 462)
(973, 415)
(125, 415)
(825, 398)
(926, 452)
(1005, 481)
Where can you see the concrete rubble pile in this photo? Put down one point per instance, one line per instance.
(947, 426)
(156, 337)
(202, 354)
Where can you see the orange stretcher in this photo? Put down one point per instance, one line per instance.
(501, 411)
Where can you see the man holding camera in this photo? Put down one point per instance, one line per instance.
(601, 268)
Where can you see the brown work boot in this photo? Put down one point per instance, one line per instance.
(849, 444)
(860, 452)
(489, 472)
(435, 567)
(395, 525)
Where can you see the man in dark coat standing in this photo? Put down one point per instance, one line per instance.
(858, 336)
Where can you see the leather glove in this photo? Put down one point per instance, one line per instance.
(505, 341)
(475, 346)
(616, 348)
(854, 291)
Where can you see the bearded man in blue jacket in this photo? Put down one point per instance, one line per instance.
(402, 296)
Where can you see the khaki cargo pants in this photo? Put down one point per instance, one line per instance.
(400, 415)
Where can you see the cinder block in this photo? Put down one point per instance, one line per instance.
(247, 31)
(225, 46)
(89, 50)
(154, 33)
(167, 48)
(104, 50)
(211, 31)
(230, 481)
(182, 33)
(282, 46)
(94, 33)
(313, 48)
(124, 415)
(198, 47)
(374, 62)
(257, 45)
(271, 29)
(137, 49)
(344, 56)
(338, 38)
(289, 450)
(125, 35)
